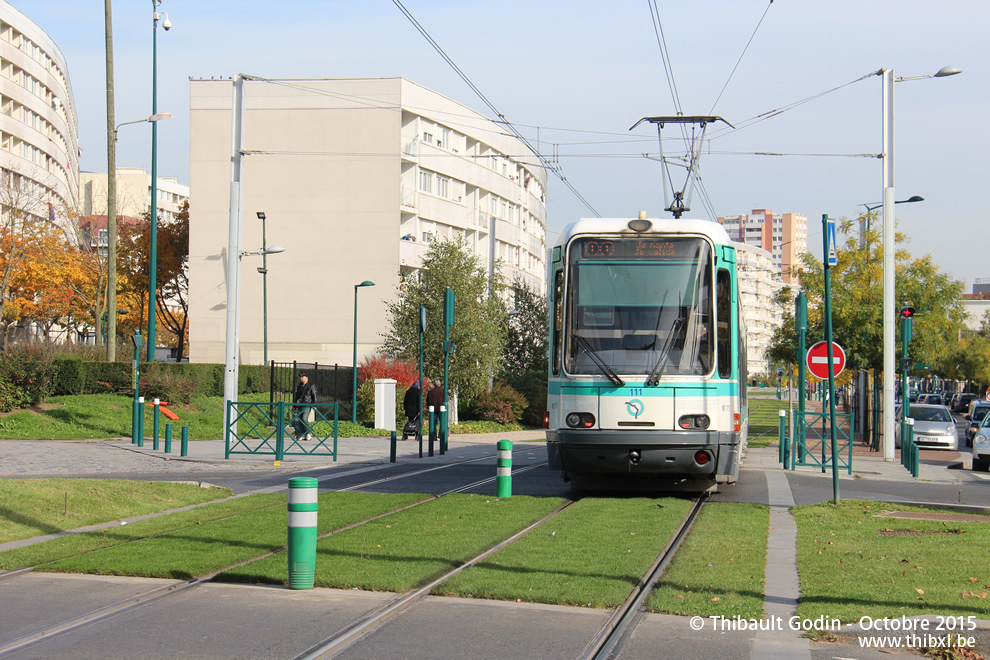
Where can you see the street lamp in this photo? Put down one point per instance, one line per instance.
(264, 279)
(870, 208)
(890, 248)
(354, 384)
(111, 325)
(153, 248)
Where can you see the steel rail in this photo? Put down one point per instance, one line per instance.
(607, 641)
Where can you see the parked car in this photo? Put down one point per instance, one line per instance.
(981, 447)
(952, 401)
(934, 399)
(975, 417)
(933, 426)
(962, 403)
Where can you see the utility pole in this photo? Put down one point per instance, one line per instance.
(111, 198)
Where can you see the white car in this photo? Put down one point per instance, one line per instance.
(981, 446)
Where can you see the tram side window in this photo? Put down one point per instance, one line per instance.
(558, 318)
(723, 302)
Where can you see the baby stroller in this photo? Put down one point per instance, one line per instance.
(410, 429)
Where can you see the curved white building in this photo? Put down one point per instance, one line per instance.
(759, 282)
(356, 177)
(39, 135)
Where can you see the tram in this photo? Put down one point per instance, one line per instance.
(647, 379)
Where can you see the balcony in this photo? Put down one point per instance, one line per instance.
(411, 253)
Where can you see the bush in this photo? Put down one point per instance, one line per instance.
(404, 372)
(533, 386)
(168, 385)
(499, 412)
(31, 369)
(11, 396)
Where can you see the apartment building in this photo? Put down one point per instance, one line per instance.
(356, 178)
(133, 201)
(784, 235)
(759, 282)
(39, 134)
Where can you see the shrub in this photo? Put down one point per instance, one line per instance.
(167, 385)
(31, 368)
(11, 396)
(499, 412)
(404, 372)
(533, 386)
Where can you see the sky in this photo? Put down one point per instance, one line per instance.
(574, 76)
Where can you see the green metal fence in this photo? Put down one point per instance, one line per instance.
(812, 437)
(266, 429)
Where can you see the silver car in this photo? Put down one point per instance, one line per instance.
(933, 426)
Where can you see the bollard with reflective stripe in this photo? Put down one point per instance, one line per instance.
(503, 473)
(302, 532)
(433, 434)
(782, 439)
(157, 424)
(140, 436)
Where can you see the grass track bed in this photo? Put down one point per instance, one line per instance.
(593, 554)
(407, 549)
(849, 570)
(76, 544)
(199, 549)
(35, 507)
(720, 567)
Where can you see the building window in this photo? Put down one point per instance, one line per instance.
(428, 138)
(443, 187)
(426, 181)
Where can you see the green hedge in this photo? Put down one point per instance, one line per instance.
(76, 376)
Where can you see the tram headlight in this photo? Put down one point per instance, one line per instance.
(694, 422)
(580, 420)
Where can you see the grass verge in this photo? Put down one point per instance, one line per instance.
(407, 549)
(197, 550)
(34, 507)
(853, 564)
(764, 420)
(77, 544)
(720, 568)
(591, 555)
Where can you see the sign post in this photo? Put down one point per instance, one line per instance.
(831, 259)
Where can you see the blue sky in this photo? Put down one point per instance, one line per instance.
(594, 69)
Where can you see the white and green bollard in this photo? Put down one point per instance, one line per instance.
(302, 532)
(503, 474)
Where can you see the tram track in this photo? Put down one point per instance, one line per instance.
(616, 630)
(133, 602)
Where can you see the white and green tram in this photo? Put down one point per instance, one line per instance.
(647, 365)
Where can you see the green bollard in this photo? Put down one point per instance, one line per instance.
(140, 437)
(432, 431)
(781, 446)
(391, 452)
(185, 441)
(503, 470)
(168, 438)
(302, 531)
(156, 425)
(443, 430)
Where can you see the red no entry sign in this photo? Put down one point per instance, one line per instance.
(818, 359)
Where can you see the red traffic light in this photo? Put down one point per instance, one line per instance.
(907, 312)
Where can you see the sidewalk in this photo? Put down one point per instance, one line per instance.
(23, 458)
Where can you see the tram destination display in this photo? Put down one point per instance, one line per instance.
(638, 248)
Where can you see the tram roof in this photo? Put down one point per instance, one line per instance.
(712, 230)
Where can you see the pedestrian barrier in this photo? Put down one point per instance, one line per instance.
(811, 443)
(265, 428)
(503, 469)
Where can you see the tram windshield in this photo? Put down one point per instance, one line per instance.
(639, 305)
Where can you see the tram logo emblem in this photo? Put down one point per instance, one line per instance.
(635, 408)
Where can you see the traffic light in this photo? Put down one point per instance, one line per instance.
(907, 312)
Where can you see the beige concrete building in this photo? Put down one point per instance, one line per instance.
(39, 134)
(759, 282)
(355, 177)
(784, 235)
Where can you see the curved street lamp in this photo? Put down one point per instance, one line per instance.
(889, 263)
(354, 363)
(870, 208)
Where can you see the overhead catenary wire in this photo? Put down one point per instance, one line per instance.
(741, 55)
(551, 166)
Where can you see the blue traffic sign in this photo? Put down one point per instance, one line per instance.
(832, 258)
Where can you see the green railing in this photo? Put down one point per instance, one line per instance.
(810, 445)
(266, 429)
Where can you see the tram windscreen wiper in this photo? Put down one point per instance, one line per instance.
(654, 377)
(612, 376)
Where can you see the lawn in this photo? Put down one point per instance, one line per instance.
(854, 564)
(35, 507)
(720, 568)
